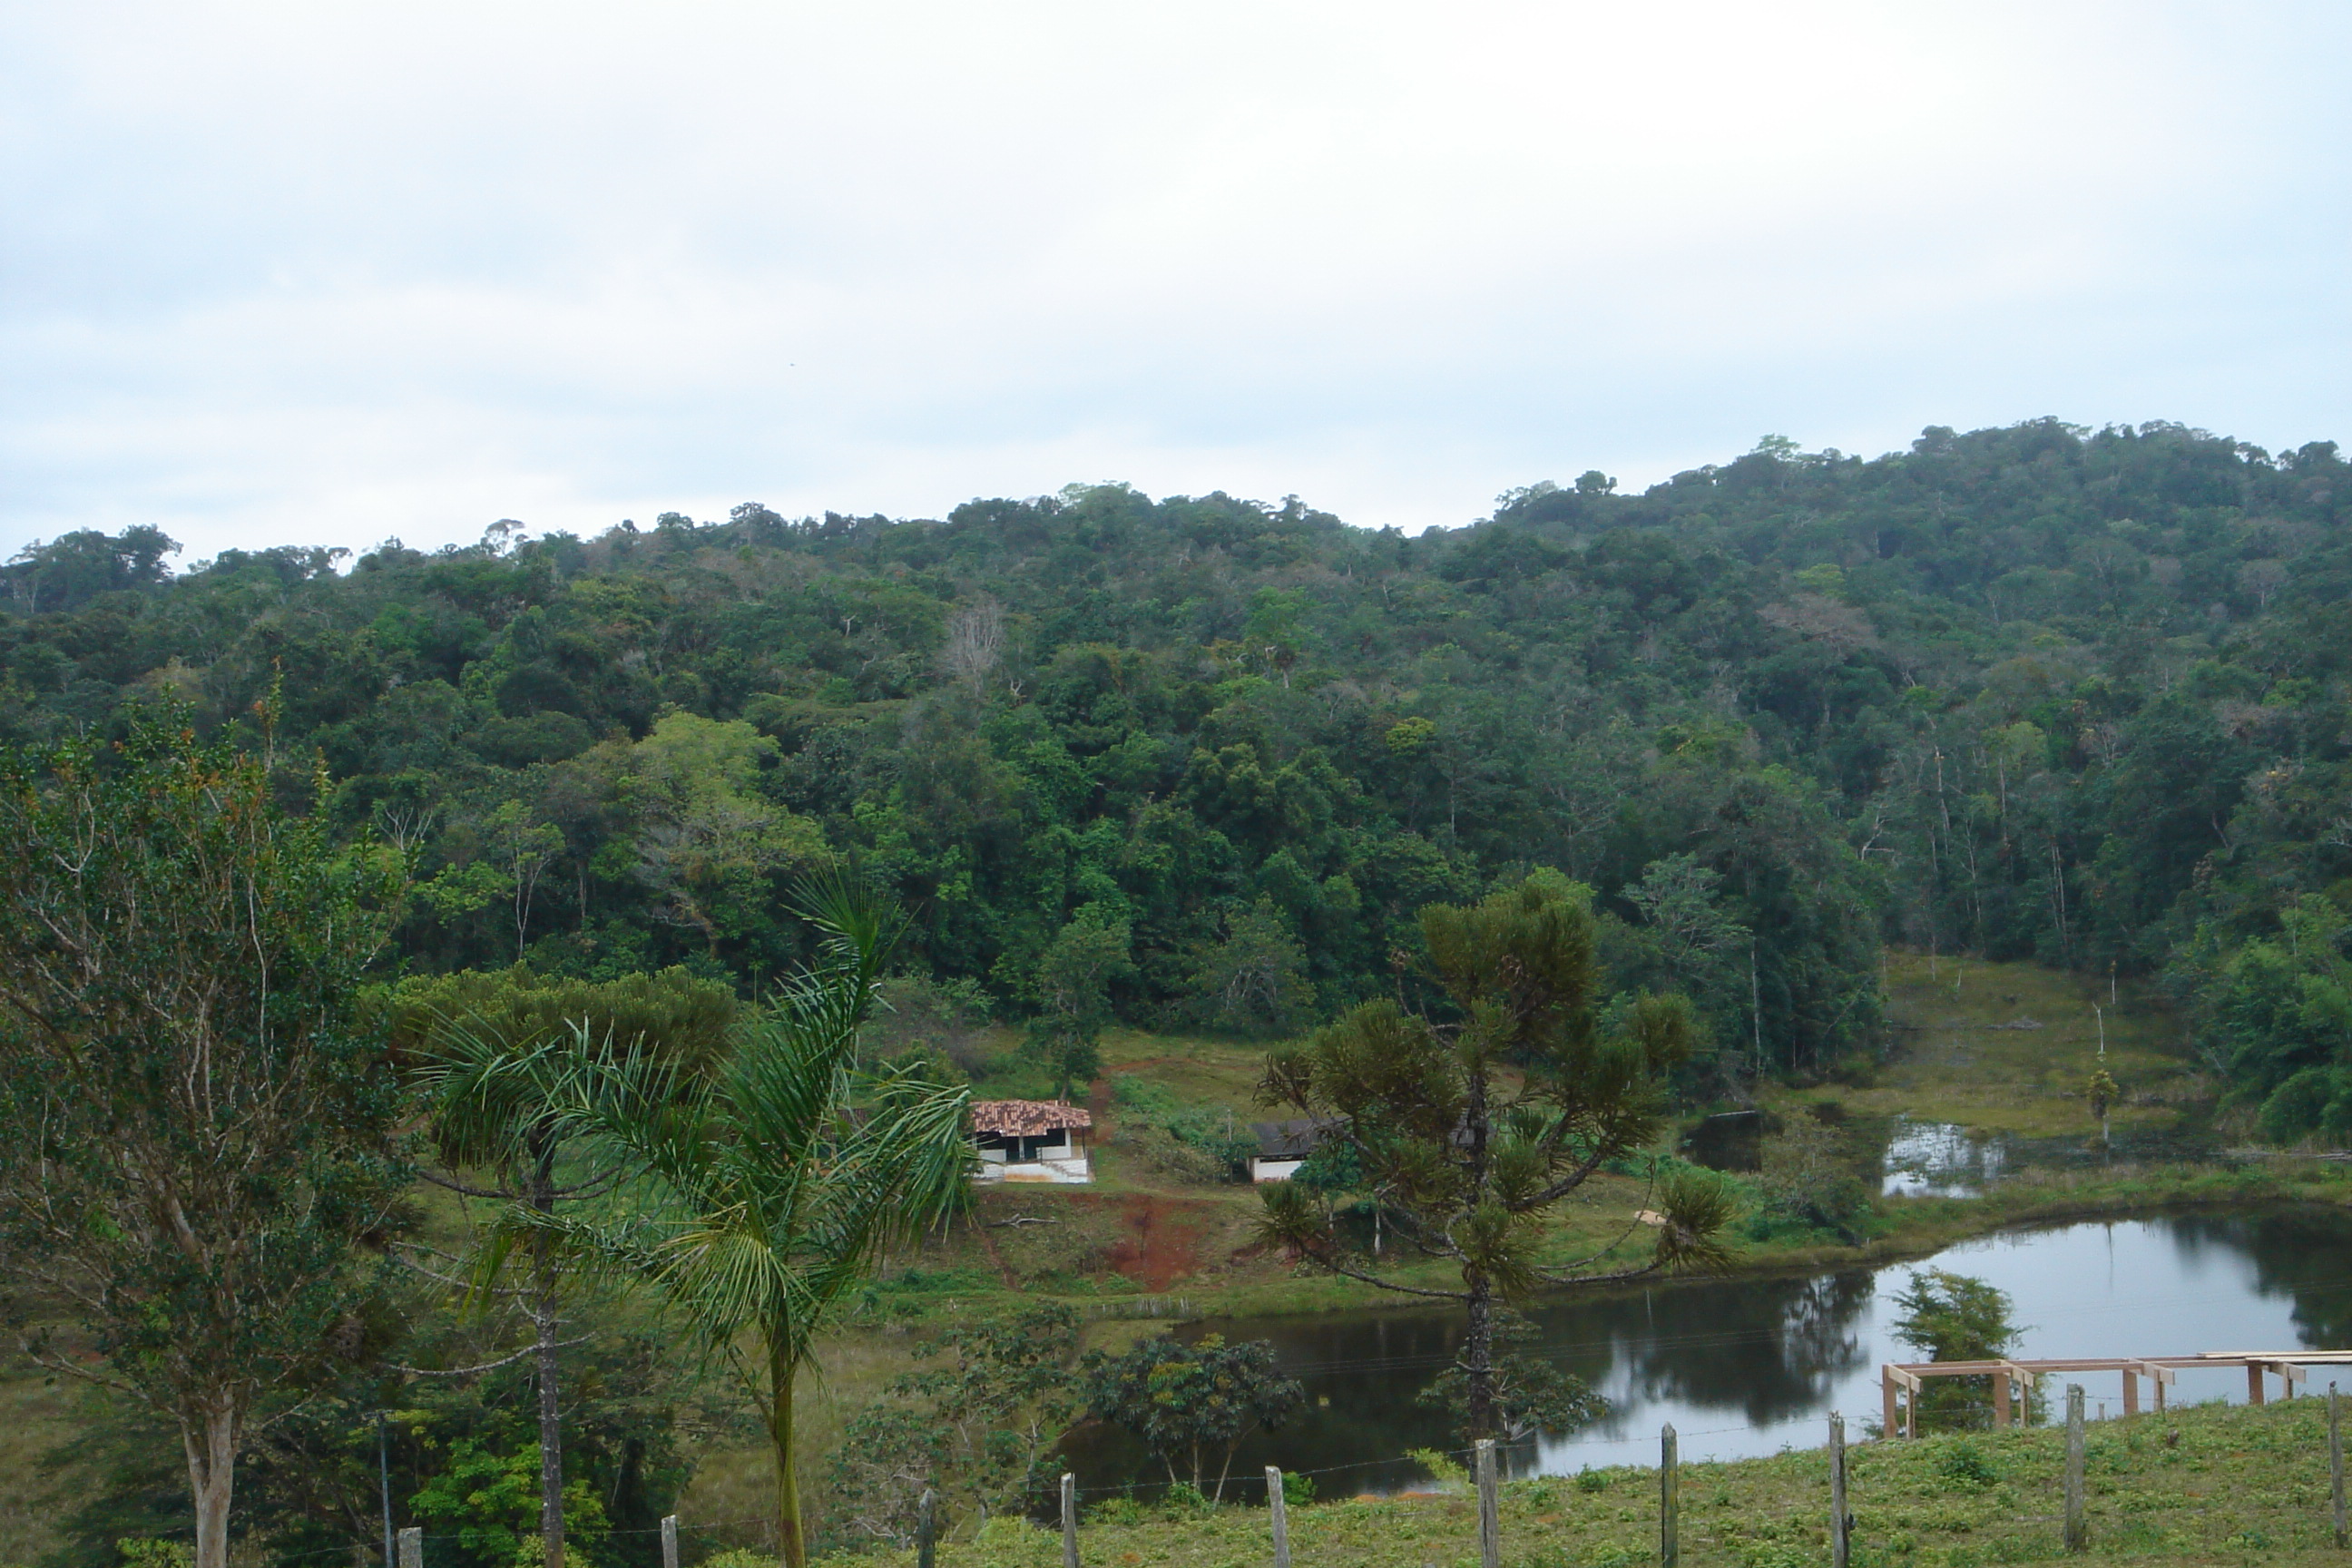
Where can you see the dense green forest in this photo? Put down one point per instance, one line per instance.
(2032, 691)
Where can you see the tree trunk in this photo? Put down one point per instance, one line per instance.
(792, 1551)
(209, 1435)
(1478, 1358)
(551, 1381)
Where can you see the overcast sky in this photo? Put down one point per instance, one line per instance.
(322, 273)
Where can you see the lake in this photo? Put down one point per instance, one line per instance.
(1750, 1366)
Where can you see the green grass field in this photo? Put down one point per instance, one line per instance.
(2207, 1485)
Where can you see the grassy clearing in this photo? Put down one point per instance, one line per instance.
(2207, 1485)
(1960, 1055)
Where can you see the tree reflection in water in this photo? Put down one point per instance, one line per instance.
(1767, 1349)
(1744, 1366)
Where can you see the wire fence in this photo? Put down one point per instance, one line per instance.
(1841, 1492)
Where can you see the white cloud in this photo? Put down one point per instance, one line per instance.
(321, 272)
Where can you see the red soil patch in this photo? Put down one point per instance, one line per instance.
(1160, 1242)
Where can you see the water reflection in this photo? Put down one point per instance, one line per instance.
(1750, 1366)
(1942, 1159)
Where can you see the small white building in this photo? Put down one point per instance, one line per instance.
(1282, 1147)
(1031, 1141)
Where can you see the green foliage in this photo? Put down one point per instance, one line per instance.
(1073, 984)
(1191, 1405)
(1298, 1491)
(767, 1190)
(979, 1429)
(1446, 1474)
(1255, 980)
(1954, 1317)
(1957, 1317)
(1813, 1174)
(672, 1013)
(1965, 1464)
(189, 1090)
(142, 1552)
(1197, 1140)
(2032, 691)
(487, 1504)
(1470, 1125)
(625, 1401)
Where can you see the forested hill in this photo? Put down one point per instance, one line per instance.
(2023, 691)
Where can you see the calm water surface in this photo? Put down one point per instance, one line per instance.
(1750, 1366)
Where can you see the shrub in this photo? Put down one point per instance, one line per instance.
(1967, 1465)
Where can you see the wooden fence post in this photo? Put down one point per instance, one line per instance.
(927, 1531)
(1670, 1498)
(411, 1548)
(2078, 1532)
(669, 1541)
(1070, 1521)
(2336, 1467)
(1490, 1507)
(1840, 1522)
(1278, 1507)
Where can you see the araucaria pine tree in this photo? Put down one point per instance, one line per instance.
(1471, 1126)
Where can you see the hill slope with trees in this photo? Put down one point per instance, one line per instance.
(2035, 692)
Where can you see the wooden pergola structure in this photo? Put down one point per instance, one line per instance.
(1901, 1382)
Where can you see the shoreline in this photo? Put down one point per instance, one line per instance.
(1904, 1229)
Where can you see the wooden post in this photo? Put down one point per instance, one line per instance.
(1490, 1506)
(1670, 1498)
(2131, 1392)
(927, 1531)
(1070, 1521)
(1840, 1522)
(2000, 1417)
(2254, 1382)
(669, 1539)
(2078, 1532)
(1887, 1395)
(1275, 1506)
(411, 1548)
(2336, 1467)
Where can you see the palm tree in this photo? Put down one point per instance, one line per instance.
(497, 1053)
(766, 1191)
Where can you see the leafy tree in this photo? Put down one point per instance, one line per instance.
(766, 1191)
(1810, 1174)
(1191, 1404)
(489, 1504)
(1472, 1127)
(1255, 980)
(707, 842)
(979, 1429)
(1073, 986)
(195, 1133)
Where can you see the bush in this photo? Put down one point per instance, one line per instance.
(1184, 1499)
(1194, 1143)
(1967, 1465)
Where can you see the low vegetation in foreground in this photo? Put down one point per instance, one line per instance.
(2205, 1484)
